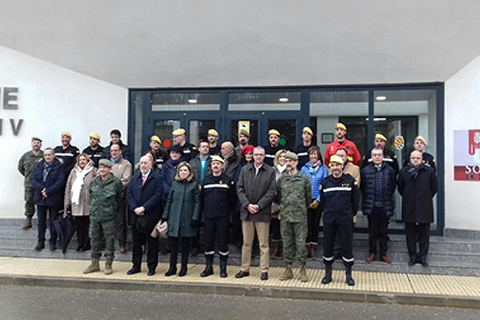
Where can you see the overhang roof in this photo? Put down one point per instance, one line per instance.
(243, 43)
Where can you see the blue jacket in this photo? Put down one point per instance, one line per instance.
(54, 185)
(167, 176)
(149, 196)
(315, 179)
(388, 182)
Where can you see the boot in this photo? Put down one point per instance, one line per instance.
(208, 266)
(223, 266)
(93, 267)
(313, 251)
(328, 274)
(303, 273)
(28, 224)
(172, 270)
(183, 269)
(288, 274)
(277, 253)
(108, 265)
(309, 253)
(349, 278)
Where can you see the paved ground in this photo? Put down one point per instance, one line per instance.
(18, 302)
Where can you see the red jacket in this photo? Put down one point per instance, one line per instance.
(353, 154)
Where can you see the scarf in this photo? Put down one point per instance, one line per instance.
(115, 160)
(79, 181)
(413, 171)
(175, 162)
(313, 168)
(47, 167)
(281, 168)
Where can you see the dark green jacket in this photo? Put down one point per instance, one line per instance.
(295, 194)
(27, 164)
(105, 197)
(183, 206)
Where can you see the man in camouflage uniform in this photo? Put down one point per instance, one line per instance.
(105, 192)
(26, 166)
(295, 192)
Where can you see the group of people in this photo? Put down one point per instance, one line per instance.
(259, 191)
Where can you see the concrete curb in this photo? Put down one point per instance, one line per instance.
(250, 291)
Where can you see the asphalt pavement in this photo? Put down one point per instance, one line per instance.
(24, 302)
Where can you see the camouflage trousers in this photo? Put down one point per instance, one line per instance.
(29, 204)
(103, 234)
(293, 237)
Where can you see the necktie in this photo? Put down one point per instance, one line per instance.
(143, 180)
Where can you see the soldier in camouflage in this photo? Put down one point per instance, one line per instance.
(295, 192)
(26, 166)
(105, 192)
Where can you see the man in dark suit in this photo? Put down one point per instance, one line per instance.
(144, 201)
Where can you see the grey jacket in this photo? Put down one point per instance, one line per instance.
(258, 190)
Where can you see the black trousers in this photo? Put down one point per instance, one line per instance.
(275, 228)
(216, 230)
(417, 232)
(139, 240)
(313, 219)
(122, 222)
(377, 229)
(236, 237)
(345, 235)
(184, 243)
(83, 225)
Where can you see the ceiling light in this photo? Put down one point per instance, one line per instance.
(192, 100)
(283, 99)
(381, 98)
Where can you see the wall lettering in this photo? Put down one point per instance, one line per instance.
(9, 101)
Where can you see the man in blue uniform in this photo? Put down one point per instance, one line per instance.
(339, 202)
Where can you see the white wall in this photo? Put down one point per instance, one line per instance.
(51, 100)
(462, 111)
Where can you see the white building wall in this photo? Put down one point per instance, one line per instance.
(51, 99)
(462, 111)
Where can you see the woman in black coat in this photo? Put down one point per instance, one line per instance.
(182, 212)
(48, 180)
(417, 183)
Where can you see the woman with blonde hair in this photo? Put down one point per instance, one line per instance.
(279, 164)
(182, 212)
(77, 198)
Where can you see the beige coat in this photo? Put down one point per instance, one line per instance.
(84, 205)
(123, 171)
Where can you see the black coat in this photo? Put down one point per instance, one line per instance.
(387, 178)
(149, 196)
(54, 185)
(417, 194)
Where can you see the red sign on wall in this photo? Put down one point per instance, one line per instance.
(467, 155)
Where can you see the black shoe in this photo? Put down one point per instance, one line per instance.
(424, 262)
(165, 250)
(40, 246)
(134, 270)
(183, 271)
(151, 272)
(53, 246)
(171, 271)
(412, 262)
(264, 276)
(242, 274)
(79, 248)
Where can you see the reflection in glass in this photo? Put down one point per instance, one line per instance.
(264, 101)
(186, 102)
